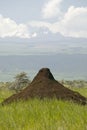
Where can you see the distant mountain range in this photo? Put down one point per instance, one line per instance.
(65, 56)
(63, 66)
(45, 43)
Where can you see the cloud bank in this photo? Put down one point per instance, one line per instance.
(51, 9)
(9, 28)
(73, 23)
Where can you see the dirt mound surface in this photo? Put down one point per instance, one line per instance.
(45, 86)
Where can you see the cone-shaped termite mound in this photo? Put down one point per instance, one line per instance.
(45, 86)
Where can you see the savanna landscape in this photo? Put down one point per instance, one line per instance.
(43, 65)
(36, 114)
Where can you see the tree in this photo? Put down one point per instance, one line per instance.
(21, 81)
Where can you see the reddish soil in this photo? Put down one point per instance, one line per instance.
(45, 86)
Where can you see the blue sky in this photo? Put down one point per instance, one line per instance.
(30, 19)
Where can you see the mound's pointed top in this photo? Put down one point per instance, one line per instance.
(44, 73)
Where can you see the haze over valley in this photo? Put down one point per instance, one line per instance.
(50, 33)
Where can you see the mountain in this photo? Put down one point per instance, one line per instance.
(66, 56)
(64, 66)
(44, 43)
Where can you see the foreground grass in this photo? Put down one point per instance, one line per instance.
(45, 114)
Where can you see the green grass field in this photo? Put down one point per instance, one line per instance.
(45, 114)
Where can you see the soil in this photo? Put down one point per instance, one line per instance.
(45, 86)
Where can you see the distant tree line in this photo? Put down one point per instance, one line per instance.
(74, 83)
(21, 81)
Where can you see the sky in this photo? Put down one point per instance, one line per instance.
(17, 18)
(29, 19)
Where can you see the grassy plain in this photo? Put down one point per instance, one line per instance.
(45, 114)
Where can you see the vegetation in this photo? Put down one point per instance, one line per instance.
(74, 83)
(45, 114)
(21, 81)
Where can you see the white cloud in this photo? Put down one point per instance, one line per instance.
(51, 9)
(74, 23)
(34, 35)
(9, 28)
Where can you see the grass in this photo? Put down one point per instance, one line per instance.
(36, 114)
(83, 91)
(4, 94)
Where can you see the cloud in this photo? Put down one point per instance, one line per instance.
(34, 35)
(73, 24)
(51, 9)
(39, 24)
(9, 28)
